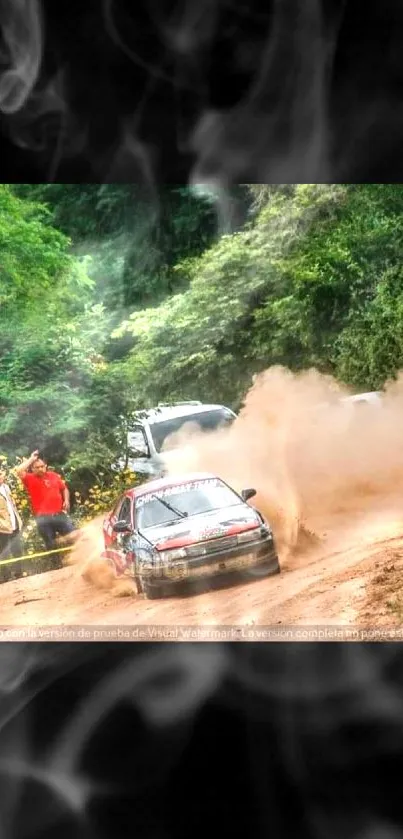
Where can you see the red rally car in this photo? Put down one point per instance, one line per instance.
(178, 530)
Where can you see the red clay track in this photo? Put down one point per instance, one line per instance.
(324, 585)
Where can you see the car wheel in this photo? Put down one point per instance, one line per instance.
(109, 563)
(138, 585)
(152, 592)
(270, 568)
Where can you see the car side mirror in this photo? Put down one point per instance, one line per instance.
(122, 527)
(248, 493)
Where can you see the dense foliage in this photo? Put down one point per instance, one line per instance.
(312, 280)
(112, 299)
(134, 237)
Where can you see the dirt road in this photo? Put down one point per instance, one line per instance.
(328, 584)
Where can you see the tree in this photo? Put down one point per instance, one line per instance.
(330, 277)
(208, 341)
(47, 375)
(134, 238)
(34, 257)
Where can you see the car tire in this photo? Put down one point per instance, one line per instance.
(152, 592)
(138, 585)
(109, 563)
(271, 568)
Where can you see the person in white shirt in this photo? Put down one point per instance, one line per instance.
(11, 543)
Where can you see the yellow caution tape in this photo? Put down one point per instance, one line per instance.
(33, 556)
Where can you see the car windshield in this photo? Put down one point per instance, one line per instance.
(207, 421)
(194, 499)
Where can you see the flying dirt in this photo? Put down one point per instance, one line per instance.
(329, 478)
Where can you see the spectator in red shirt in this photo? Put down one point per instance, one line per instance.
(50, 499)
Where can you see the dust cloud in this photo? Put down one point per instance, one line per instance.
(317, 463)
(310, 456)
(86, 557)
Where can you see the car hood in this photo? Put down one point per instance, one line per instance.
(195, 529)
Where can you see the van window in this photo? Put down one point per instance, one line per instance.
(137, 443)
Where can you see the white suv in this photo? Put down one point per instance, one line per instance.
(151, 428)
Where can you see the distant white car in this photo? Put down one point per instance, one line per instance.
(351, 407)
(372, 398)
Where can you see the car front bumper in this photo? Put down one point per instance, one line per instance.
(247, 557)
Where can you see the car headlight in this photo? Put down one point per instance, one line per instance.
(171, 556)
(265, 531)
(249, 536)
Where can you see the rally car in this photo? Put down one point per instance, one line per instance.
(174, 531)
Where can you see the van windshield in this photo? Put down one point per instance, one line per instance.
(207, 421)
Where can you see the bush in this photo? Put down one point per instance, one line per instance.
(102, 497)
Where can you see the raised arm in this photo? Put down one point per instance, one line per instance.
(66, 499)
(22, 469)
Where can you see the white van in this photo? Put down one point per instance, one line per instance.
(151, 428)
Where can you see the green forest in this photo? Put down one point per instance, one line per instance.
(113, 299)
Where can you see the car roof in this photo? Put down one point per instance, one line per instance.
(166, 483)
(162, 413)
